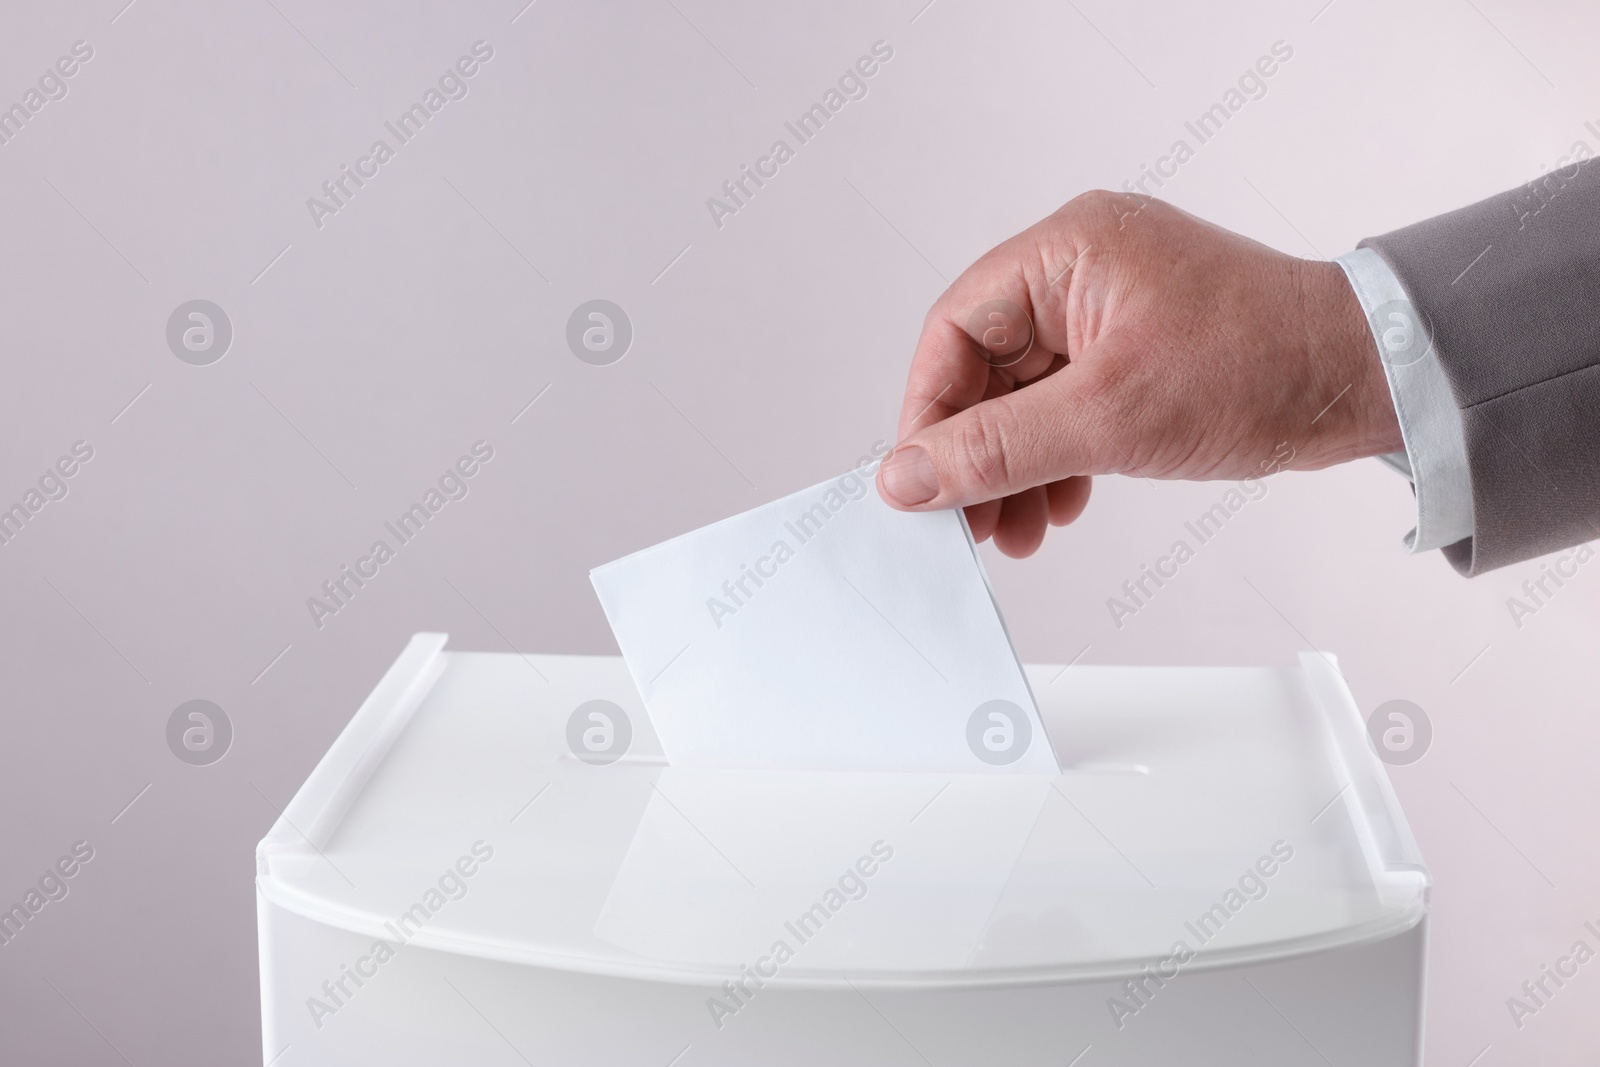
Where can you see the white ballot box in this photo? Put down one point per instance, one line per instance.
(494, 864)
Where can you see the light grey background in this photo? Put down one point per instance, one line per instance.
(768, 354)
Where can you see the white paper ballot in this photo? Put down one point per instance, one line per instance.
(825, 631)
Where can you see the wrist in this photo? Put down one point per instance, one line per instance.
(1362, 422)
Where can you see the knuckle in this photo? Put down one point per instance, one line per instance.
(1099, 209)
(1104, 215)
(1096, 201)
(981, 446)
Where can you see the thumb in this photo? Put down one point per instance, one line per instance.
(1041, 433)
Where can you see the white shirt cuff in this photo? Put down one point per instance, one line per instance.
(1435, 458)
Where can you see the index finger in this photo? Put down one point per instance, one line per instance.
(1001, 322)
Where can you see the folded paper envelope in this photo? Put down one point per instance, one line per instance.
(825, 631)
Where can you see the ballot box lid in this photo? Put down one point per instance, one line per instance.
(1202, 817)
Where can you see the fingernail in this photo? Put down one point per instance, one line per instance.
(909, 478)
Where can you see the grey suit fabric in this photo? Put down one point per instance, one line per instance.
(1511, 289)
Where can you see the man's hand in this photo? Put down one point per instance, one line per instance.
(1123, 336)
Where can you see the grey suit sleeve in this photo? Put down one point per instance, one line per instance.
(1511, 289)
